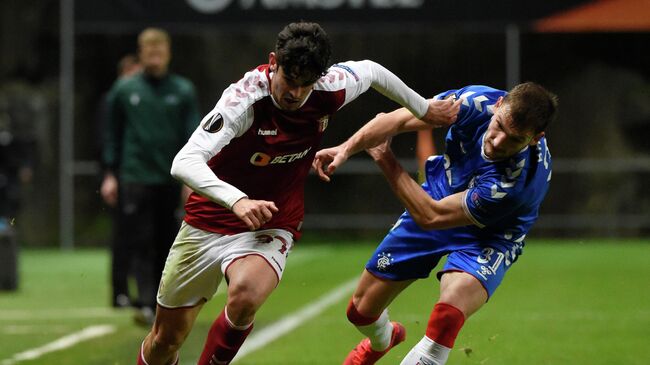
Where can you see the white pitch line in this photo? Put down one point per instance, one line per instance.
(62, 343)
(286, 324)
(60, 313)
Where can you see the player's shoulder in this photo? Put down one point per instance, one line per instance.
(255, 81)
(338, 76)
(243, 94)
(479, 93)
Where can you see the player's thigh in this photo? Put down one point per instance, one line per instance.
(471, 275)
(463, 291)
(374, 294)
(251, 279)
(254, 264)
(192, 270)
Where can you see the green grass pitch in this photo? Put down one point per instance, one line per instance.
(564, 302)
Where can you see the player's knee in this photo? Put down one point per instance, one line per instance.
(357, 318)
(243, 302)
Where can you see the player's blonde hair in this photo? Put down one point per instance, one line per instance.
(153, 35)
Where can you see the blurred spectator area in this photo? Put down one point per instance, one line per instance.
(599, 142)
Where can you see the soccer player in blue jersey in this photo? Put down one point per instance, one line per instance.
(476, 206)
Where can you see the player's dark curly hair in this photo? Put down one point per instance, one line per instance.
(303, 51)
(532, 107)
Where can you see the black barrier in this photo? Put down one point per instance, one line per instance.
(8, 260)
(90, 14)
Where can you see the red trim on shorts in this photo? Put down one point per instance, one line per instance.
(202, 301)
(277, 276)
(441, 272)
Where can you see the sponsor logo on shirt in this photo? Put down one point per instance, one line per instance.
(214, 124)
(263, 159)
(267, 132)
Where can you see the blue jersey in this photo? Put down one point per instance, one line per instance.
(503, 197)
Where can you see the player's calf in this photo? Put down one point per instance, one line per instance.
(382, 335)
(224, 341)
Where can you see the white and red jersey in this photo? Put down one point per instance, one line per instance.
(248, 147)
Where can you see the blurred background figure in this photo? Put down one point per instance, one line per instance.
(121, 262)
(16, 158)
(18, 109)
(149, 118)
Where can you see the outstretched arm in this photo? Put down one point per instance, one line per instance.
(378, 130)
(426, 212)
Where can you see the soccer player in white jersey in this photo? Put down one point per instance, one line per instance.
(476, 206)
(247, 163)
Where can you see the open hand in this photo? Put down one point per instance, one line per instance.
(328, 160)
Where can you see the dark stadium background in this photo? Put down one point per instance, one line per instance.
(600, 70)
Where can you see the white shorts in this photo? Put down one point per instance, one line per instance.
(198, 260)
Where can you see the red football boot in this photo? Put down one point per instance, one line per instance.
(363, 354)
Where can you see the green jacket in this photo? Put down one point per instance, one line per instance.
(148, 121)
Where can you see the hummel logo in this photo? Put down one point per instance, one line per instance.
(267, 132)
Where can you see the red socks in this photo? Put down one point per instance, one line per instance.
(444, 324)
(223, 342)
(357, 318)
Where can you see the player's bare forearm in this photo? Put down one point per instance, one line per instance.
(426, 212)
(383, 126)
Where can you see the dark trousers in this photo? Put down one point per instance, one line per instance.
(148, 226)
(121, 260)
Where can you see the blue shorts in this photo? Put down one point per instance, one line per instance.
(408, 252)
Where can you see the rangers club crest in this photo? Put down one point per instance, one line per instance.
(384, 261)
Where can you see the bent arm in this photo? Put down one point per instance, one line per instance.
(383, 126)
(380, 128)
(190, 167)
(426, 212)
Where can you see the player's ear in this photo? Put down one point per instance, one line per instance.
(273, 64)
(536, 139)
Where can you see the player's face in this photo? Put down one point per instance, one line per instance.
(290, 92)
(155, 57)
(501, 139)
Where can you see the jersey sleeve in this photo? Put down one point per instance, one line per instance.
(496, 196)
(358, 76)
(477, 104)
(230, 118)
